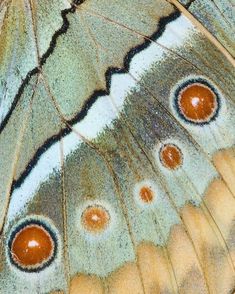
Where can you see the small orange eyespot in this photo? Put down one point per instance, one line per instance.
(146, 194)
(95, 219)
(32, 246)
(197, 103)
(171, 156)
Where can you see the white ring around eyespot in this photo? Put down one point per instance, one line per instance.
(58, 256)
(220, 102)
(136, 192)
(110, 226)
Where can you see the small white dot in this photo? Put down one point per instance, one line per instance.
(195, 101)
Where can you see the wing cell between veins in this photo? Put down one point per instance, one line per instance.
(48, 84)
(26, 35)
(137, 199)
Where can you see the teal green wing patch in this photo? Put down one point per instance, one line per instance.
(109, 154)
(26, 30)
(218, 17)
(96, 44)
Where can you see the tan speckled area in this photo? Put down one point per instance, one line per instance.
(198, 258)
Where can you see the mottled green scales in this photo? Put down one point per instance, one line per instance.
(88, 99)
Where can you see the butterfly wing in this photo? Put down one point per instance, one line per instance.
(129, 186)
(26, 33)
(217, 17)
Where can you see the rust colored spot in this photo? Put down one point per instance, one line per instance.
(95, 219)
(197, 103)
(171, 156)
(146, 194)
(32, 246)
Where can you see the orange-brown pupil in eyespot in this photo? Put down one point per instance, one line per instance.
(146, 194)
(171, 156)
(32, 246)
(95, 219)
(197, 102)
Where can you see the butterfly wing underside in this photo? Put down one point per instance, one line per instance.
(117, 134)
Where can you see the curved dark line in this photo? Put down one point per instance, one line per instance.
(25, 82)
(98, 93)
(43, 59)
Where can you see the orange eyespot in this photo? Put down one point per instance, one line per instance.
(197, 103)
(95, 219)
(146, 194)
(32, 247)
(171, 156)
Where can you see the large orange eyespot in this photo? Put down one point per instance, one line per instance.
(171, 156)
(32, 246)
(95, 219)
(197, 102)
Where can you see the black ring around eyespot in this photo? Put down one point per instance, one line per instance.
(48, 230)
(187, 83)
